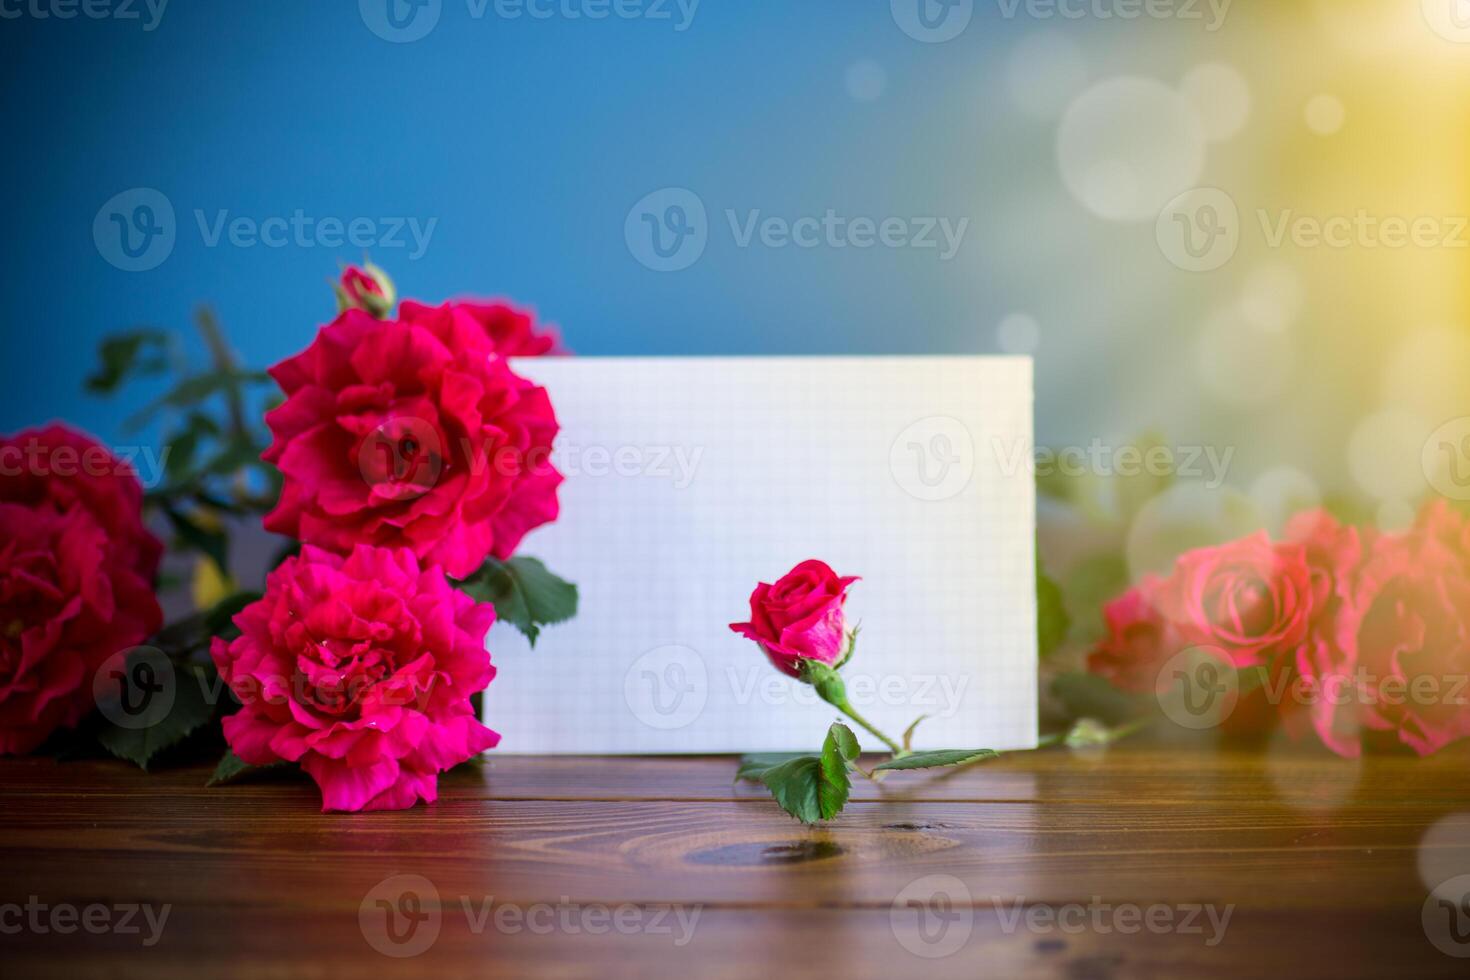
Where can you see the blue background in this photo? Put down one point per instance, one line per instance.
(529, 141)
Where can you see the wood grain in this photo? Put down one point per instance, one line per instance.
(1317, 858)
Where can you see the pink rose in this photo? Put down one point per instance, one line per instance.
(1312, 679)
(1140, 640)
(410, 434)
(71, 596)
(1249, 598)
(60, 468)
(1405, 629)
(508, 331)
(800, 617)
(360, 669)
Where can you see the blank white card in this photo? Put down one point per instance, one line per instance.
(689, 480)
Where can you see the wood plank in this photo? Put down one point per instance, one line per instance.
(181, 849)
(740, 943)
(1141, 773)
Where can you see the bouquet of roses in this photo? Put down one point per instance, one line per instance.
(406, 460)
(1357, 636)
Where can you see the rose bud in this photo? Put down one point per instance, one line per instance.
(800, 618)
(368, 288)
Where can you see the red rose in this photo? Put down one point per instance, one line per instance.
(1140, 640)
(1249, 598)
(360, 669)
(410, 434)
(60, 468)
(1405, 628)
(800, 617)
(509, 331)
(70, 598)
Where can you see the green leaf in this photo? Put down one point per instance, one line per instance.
(232, 767)
(839, 750)
(193, 390)
(754, 767)
(1094, 582)
(841, 743)
(1089, 696)
(1089, 733)
(190, 711)
(229, 767)
(524, 594)
(1052, 621)
(807, 788)
(796, 785)
(125, 354)
(934, 760)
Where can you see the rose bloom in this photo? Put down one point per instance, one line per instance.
(1139, 640)
(60, 468)
(1250, 598)
(1312, 679)
(360, 669)
(409, 433)
(1405, 630)
(76, 571)
(510, 332)
(800, 617)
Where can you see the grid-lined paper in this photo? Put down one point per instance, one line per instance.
(691, 479)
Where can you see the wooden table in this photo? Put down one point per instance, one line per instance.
(1037, 864)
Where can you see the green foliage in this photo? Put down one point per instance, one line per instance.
(809, 787)
(935, 760)
(1052, 621)
(191, 710)
(524, 593)
(122, 356)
